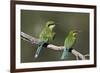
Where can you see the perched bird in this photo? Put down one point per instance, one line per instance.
(45, 36)
(69, 42)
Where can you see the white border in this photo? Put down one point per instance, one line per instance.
(57, 63)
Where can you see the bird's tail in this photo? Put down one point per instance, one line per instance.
(38, 51)
(65, 52)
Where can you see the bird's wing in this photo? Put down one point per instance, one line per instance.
(69, 42)
(46, 34)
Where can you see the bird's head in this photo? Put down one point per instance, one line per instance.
(74, 33)
(50, 24)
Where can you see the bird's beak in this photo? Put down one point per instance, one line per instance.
(54, 25)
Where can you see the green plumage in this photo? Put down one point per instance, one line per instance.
(46, 36)
(70, 39)
(47, 33)
(69, 42)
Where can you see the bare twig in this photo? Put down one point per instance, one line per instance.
(77, 54)
(51, 46)
(86, 55)
(29, 38)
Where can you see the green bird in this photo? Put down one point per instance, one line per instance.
(45, 36)
(69, 42)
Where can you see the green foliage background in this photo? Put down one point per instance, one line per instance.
(32, 22)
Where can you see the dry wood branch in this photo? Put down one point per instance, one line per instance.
(51, 46)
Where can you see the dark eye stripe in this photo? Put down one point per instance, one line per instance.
(50, 25)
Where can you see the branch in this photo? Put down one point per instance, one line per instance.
(29, 38)
(33, 40)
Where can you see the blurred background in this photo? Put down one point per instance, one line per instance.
(32, 23)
